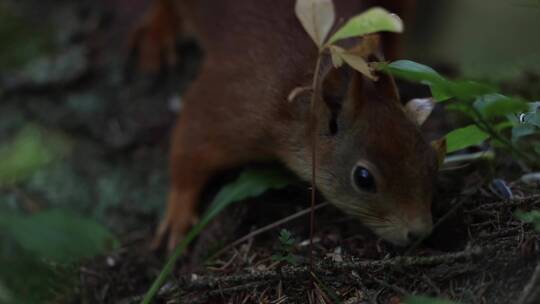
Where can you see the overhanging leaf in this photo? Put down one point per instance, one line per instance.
(466, 90)
(371, 21)
(441, 88)
(317, 18)
(464, 137)
(416, 72)
(494, 105)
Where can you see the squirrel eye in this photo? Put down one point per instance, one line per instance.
(364, 180)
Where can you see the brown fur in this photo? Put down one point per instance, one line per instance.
(236, 111)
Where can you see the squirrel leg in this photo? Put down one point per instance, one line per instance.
(193, 163)
(154, 40)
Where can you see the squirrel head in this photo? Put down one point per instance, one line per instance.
(372, 160)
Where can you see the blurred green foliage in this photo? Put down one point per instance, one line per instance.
(20, 41)
(493, 40)
(31, 149)
(38, 251)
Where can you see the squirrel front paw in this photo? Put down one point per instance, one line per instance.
(179, 218)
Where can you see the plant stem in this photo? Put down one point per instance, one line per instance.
(488, 128)
(314, 135)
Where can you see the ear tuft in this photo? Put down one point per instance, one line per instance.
(439, 146)
(419, 109)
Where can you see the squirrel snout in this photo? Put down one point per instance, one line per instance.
(419, 230)
(403, 233)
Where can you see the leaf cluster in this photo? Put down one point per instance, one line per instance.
(492, 114)
(317, 18)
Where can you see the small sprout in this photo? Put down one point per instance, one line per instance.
(286, 247)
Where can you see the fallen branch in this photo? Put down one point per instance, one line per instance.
(298, 272)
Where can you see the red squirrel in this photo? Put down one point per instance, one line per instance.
(373, 161)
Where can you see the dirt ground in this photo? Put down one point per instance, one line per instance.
(76, 76)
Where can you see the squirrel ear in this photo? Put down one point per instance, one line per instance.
(440, 148)
(418, 109)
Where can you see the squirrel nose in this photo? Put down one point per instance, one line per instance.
(418, 232)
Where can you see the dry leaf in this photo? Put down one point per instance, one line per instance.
(335, 54)
(358, 63)
(418, 109)
(317, 18)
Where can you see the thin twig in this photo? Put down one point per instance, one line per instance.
(266, 228)
(314, 134)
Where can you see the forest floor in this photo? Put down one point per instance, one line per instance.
(68, 67)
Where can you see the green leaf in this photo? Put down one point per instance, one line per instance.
(441, 88)
(250, 183)
(31, 149)
(371, 21)
(495, 105)
(466, 90)
(317, 18)
(416, 72)
(533, 119)
(522, 130)
(464, 137)
(58, 236)
(426, 300)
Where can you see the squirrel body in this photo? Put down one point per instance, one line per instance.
(372, 160)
